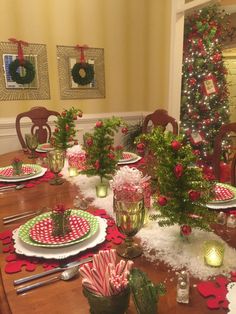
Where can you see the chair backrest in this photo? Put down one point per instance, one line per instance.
(233, 170)
(217, 153)
(39, 117)
(160, 117)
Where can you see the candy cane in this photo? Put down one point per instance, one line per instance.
(90, 286)
(120, 267)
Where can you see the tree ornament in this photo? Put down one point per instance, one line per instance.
(194, 195)
(178, 170)
(162, 200)
(176, 145)
(186, 230)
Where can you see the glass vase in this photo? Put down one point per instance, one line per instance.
(115, 304)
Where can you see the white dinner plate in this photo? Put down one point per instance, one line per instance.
(62, 252)
(38, 175)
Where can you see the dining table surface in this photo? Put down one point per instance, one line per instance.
(67, 296)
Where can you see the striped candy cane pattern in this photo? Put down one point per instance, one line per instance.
(106, 277)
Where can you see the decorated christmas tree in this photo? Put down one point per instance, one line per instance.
(101, 154)
(204, 102)
(182, 190)
(65, 129)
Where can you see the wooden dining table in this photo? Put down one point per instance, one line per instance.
(67, 296)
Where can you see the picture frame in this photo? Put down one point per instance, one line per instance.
(67, 57)
(39, 87)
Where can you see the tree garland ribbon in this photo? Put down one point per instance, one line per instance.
(19, 47)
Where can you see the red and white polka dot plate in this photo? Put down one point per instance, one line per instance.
(127, 156)
(222, 193)
(27, 171)
(41, 232)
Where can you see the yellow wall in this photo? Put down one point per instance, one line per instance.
(133, 33)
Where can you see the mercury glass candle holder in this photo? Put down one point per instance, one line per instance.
(231, 221)
(101, 190)
(73, 171)
(213, 253)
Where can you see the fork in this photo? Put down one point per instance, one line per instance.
(9, 219)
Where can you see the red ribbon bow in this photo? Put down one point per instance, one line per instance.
(81, 49)
(19, 47)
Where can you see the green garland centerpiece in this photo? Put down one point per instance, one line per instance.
(22, 77)
(101, 154)
(60, 220)
(182, 190)
(65, 129)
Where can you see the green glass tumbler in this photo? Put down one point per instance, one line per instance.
(115, 304)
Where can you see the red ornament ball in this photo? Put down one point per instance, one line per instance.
(162, 200)
(124, 130)
(192, 81)
(194, 195)
(176, 145)
(178, 170)
(99, 124)
(186, 230)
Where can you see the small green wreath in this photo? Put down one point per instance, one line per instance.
(88, 71)
(29, 71)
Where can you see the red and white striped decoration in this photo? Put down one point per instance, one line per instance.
(106, 277)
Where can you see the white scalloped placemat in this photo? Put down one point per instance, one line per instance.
(231, 297)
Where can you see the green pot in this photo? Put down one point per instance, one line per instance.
(116, 304)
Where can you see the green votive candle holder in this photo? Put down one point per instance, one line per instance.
(115, 304)
(101, 190)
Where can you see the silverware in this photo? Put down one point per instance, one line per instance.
(9, 219)
(13, 186)
(66, 275)
(51, 271)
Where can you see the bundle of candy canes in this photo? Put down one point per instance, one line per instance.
(106, 277)
(76, 157)
(129, 184)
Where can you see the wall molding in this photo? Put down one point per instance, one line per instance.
(9, 140)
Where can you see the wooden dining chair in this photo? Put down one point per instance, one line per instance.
(233, 171)
(217, 152)
(160, 117)
(39, 118)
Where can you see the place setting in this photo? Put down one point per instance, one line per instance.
(59, 233)
(224, 197)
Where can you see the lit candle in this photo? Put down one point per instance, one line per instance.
(101, 190)
(73, 171)
(213, 253)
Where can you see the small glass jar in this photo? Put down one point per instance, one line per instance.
(115, 304)
(101, 190)
(231, 221)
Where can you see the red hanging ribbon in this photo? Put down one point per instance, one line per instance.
(19, 47)
(81, 49)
